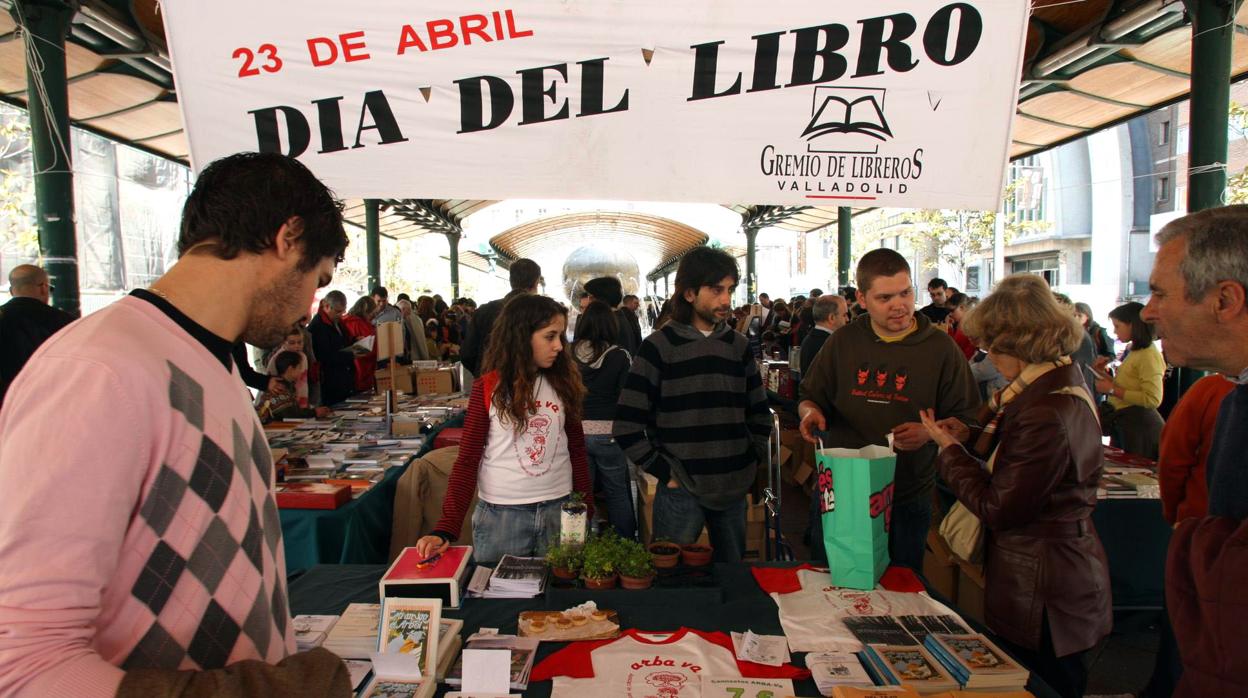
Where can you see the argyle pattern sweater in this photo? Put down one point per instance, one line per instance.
(139, 528)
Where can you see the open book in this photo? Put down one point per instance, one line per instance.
(363, 346)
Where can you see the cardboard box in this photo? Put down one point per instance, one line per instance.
(402, 379)
(437, 382)
(939, 566)
(970, 599)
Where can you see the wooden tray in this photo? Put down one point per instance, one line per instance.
(590, 629)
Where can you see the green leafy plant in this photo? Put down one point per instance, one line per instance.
(636, 561)
(565, 555)
(603, 553)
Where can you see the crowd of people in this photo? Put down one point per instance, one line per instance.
(114, 583)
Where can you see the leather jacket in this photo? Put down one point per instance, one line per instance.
(1042, 553)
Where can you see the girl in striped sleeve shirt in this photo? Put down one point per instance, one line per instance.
(523, 450)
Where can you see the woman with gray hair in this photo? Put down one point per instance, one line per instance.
(1030, 476)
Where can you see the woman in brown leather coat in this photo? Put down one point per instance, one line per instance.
(1047, 580)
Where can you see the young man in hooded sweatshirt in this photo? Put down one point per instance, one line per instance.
(693, 412)
(872, 378)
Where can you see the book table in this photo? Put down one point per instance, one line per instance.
(327, 589)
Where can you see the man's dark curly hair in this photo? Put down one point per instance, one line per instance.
(240, 202)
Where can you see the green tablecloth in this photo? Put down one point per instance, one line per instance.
(357, 532)
(329, 588)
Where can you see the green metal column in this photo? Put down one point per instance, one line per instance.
(46, 24)
(1213, 36)
(844, 243)
(751, 276)
(372, 240)
(453, 240)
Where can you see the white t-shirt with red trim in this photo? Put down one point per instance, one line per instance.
(649, 665)
(811, 608)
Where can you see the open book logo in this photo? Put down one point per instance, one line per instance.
(847, 120)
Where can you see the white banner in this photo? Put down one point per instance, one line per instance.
(834, 103)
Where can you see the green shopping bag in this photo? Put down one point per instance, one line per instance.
(856, 504)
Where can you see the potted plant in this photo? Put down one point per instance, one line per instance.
(696, 555)
(664, 553)
(600, 563)
(565, 560)
(636, 567)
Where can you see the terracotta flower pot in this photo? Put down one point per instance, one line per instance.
(636, 582)
(599, 583)
(696, 555)
(563, 573)
(665, 555)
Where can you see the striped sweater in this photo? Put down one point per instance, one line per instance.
(693, 408)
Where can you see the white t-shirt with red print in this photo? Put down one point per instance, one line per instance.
(649, 665)
(811, 608)
(532, 466)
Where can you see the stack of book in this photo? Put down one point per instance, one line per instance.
(449, 644)
(976, 663)
(517, 578)
(911, 665)
(901, 630)
(832, 669)
(311, 631)
(523, 650)
(1141, 484)
(354, 636)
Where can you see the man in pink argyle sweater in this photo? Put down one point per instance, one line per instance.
(140, 546)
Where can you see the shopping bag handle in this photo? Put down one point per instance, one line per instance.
(819, 442)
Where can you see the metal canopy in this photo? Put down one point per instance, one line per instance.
(1088, 65)
(652, 236)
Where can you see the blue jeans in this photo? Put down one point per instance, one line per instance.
(525, 530)
(679, 517)
(907, 536)
(608, 465)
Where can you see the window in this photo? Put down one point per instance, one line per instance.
(1163, 189)
(1045, 267)
(1085, 276)
(972, 279)
(1163, 133)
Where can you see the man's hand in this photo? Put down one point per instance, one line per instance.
(277, 386)
(910, 436)
(812, 419)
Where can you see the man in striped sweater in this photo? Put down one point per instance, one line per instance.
(693, 411)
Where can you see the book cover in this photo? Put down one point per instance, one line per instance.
(976, 654)
(411, 626)
(878, 630)
(410, 565)
(310, 495)
(915, 666)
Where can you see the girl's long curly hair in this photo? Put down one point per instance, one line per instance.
(510, 353)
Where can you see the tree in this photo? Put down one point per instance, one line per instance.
(1237, 184)
(19, 235)
(955, 235)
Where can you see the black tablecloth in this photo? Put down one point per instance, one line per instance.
(1136, 538)
(328, 589)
